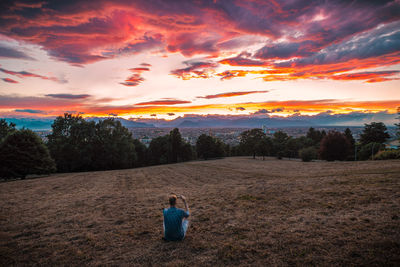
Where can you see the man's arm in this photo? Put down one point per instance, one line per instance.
(185, 203)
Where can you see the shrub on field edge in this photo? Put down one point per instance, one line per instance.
(387, 154)
(369, 150)
(307, 154)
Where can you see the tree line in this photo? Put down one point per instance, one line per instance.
(79, 145)
(317, 144)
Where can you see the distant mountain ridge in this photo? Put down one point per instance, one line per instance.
(231, 121)
(124, 122)
(252, 121)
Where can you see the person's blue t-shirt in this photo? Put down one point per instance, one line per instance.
(173, 229)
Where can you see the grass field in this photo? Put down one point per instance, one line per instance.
(243, 212)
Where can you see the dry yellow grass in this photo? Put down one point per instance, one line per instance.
(244, 212)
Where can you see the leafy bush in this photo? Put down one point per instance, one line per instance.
(307, 154)
(387, 154)
(369, 150)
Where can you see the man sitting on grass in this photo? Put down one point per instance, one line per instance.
(175, 220)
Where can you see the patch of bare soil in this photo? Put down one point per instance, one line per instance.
(243, 212)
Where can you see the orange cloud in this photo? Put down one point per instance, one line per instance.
(97, 107)
(377, 76)
(164, 102)
(286, 107)
(231, 94)
(141, 69)
(135, 79)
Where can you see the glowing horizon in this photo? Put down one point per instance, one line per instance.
(165, 59)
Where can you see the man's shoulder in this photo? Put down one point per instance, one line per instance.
(170, 210)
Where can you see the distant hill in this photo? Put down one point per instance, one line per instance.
(257, 121)
(44, 124)
(233, 121)
(37, 124)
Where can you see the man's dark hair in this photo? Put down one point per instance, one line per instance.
(172, 200)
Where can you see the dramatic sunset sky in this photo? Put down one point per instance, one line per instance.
(164, 59)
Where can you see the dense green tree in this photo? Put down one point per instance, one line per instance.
(219, 148)
(79, 145)
(304, 142)
(113, 146)
(175, 140)
(141, 153)
(250, 139)
(6, 128)
(236, 151)
(70, 143)
(292, 147)
(23, 152)
(334, 146)
(227, 150)
(279, 143)
(375, 132)
(398, 124)
(264, 147)
(349, 136)
(159, 150)
(352, 143)
(209, 147)
(315, 135)
(169, 148)
(186, 152)
(205, 146)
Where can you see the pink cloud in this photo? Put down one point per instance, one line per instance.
(316, 33)
(24, 74)
(8, 80)
(195, 69)
(135, 79)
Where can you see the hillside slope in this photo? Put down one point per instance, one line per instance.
(244, 211)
